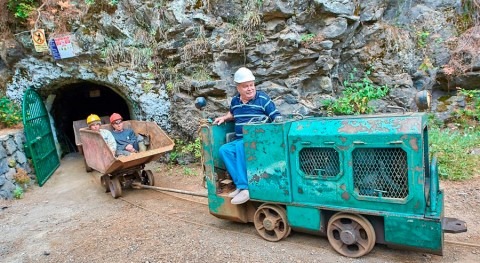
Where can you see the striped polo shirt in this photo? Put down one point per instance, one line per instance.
(260, 106)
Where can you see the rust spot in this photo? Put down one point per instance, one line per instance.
(293, 148)
(351, 127)
(265, 175)
(409, 126)
(286, 192)
(417, 205)
(413, 144)
(244, 131)
(420, 180)
(251, 158)
(345, 196)
(343, 148)
(255, 178)
(259, 130)
(343, 187)
(253, 145)
(343, 139)
(300, 190)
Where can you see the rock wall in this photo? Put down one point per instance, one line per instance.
(161, 55)
(12, 158)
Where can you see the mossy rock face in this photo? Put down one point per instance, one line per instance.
(442, 107)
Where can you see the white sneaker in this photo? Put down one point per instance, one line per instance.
(241, 197)
(234, 193)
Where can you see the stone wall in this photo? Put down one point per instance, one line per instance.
(12, 159)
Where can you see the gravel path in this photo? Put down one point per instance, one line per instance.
(71, 219)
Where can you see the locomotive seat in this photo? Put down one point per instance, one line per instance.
(229, 137)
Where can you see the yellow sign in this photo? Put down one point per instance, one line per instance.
(39, 40)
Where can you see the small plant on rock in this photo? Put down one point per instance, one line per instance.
(18, 193)
(355, 97)
(21, 177)
(469, 116)
(10, 113)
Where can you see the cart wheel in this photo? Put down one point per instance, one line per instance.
(350, 235)
(105, 180)
(115, 187)
(148, 178)
(271, 222)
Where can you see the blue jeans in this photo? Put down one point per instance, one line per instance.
(233, 155)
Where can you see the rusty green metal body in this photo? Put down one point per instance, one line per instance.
(377, 167)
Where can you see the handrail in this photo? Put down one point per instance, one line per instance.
(434, 184)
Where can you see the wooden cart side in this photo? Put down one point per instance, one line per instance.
(158, 138)
(97, 154)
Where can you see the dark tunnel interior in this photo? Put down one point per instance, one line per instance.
(76, 101)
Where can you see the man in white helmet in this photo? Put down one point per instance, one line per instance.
(247, 104)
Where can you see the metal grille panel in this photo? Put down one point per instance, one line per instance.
(321, 162)
(39, 136)
(380, 172)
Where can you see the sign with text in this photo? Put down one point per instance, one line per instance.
(39, 40)
(65, 46)
(62, 47)
(53, 49)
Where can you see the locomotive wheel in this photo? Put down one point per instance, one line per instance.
(148, 178)
(115, 187)
(351, 235)
(271, 222)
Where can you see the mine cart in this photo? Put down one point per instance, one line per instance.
(123, 171)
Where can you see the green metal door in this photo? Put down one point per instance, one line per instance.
(38, 133)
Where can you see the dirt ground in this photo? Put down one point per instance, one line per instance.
(72, 219)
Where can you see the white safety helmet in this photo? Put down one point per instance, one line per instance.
(243, 75)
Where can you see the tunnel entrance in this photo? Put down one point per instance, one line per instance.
(76, 101)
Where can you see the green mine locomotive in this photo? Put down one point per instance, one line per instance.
(358, 180)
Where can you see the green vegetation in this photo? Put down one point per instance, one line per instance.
(23, 8)
(469, 117)
(453, 151)
(18, 193)
(422, 38)
(426, 64)
(453, 147)
(182, 149)
(10, 113)
(307, 37)
(355, 97)
(188, 171)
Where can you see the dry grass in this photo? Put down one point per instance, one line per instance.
(196, 49)
(465, 52)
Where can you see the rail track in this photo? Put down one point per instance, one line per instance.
(173, 193)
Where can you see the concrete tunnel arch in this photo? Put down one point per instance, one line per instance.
(75, 101)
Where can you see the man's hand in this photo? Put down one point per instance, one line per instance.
(219, 120)
(226, 117)
(130, 148)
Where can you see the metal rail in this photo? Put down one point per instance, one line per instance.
(169, 190)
